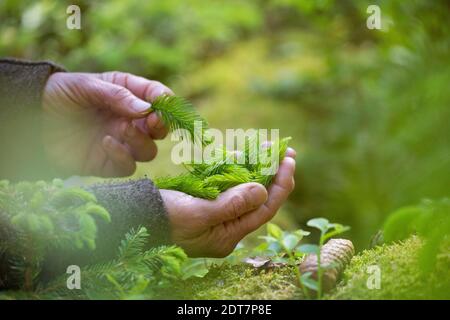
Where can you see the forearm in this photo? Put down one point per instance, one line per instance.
(132, 204)
(21, 87)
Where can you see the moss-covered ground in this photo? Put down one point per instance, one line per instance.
(401, 278)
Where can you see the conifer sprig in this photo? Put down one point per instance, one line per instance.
(180, 116)
(223, 171)
(190, 184)
(135, 272)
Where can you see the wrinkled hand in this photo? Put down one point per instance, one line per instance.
(96, 124)
(213, 228)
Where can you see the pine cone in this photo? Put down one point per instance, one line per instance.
(336, 252)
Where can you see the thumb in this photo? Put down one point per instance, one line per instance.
(235, 202)
(118, 99)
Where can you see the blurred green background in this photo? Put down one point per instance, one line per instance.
(368, 110)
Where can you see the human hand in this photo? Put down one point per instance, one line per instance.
(97, 124)
(213, 228)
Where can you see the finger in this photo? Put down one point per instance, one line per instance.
(280, 189)
(291, 153)
(116, 98)
(120, 162)
(152, 126)
(156, 127)
(145, 89)
(142, 147)
(234, 203)
(142, 88)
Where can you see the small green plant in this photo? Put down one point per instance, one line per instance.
(287, 247)
(279, 243)
(327, 231)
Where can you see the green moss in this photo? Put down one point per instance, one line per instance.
(401, 277)
(238, 282)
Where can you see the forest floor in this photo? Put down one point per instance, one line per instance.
(400, 278)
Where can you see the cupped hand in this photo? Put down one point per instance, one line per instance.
(213, 228)
(98, 124)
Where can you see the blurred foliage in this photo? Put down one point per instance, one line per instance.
(430, 220)
(368, 110)
(36, 218)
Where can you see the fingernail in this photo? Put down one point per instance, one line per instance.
(290, 152)
(159, 92)
(141, 106)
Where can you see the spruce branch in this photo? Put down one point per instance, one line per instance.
(179, 115)
(190, 184)
(133, 244)
(231, 176)
(134, 272)
(225, 170)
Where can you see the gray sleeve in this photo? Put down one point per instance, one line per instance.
(21, 87)
(131, 204)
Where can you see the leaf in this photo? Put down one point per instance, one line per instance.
(275, 247)
(319, 223)
(257, 262)
(308, 248)
(274, 230)
(290, 241)
(308, 281)
(194, 268)
(267, 263)
(264, 246)
(337, 229)
(302, 233)
(268, 239)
